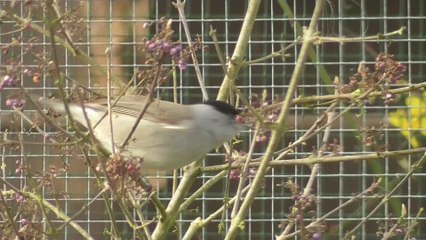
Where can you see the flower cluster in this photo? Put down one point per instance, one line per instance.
(304, 204)
(119, 167)
(373, 137)
(269, 111)
(387, 70)
(15, 103)
(159, 53)
(393, 230)
(389, 67)
(18, 167)
(18, 198)
(161, 46)
(11, 80)
(235, 173)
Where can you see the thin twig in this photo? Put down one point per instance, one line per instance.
(219, 53)
(44, 116)
(109, 91)
(94, 143)
(84, 208)
(199, 223)
(312, 133)
(116, 99)
(147, 102)
(137, 208)
(320, 39)
(387, 197)
(413, 223)
(6, 209)
(315, 168)
(279, 53)
(75, 51)
(212, 34)
(346, 96)
(312, 160)
(313, 224)
(64, 30)
(180, 5)
(212, 180)
(175, 100)
(244, 174)
(57, 144)
(53, 208)
(391, 232)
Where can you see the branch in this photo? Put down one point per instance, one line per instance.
(238, 221)
(312, 160)
(172, 210)
(346, 96)
(53, 208)
(237, 58)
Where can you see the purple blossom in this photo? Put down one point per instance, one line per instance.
(234, 174)
(27, 71)
(15, 103)
(166, 46)
(28, 25)
(47, 136)
(5, 50)
(24, 221)
(7, 80)
(316, 236)
(182, 64)
(131, 169)
(393, 80)
(19, 198)
(159, 43)
(175, 51)
(151, 46)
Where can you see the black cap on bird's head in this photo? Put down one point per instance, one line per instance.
(223, 107)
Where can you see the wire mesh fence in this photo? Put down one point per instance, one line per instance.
(355, 40)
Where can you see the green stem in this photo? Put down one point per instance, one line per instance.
(240, 49)
(313, 160)
(237, 222)
(172, 210)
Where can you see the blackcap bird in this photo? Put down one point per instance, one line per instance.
(169, 136)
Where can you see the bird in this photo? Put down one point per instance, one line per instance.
(169, 135)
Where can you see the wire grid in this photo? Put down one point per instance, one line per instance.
(117, 24)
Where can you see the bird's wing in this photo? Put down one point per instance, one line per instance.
(158, 111)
